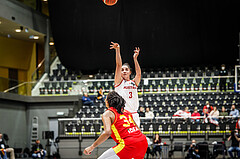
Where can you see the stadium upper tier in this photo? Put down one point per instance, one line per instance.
(61, 81)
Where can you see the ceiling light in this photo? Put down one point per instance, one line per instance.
(90, 76)
(17, 30)
(51, 43)
(45, 0)
(33, 37)
(60, 113)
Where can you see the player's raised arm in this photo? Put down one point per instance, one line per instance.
(107, 119)
(118, 70)
(137, 78)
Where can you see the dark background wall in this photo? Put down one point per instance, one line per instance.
(169, 33)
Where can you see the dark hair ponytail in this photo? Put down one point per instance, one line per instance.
(116, 101)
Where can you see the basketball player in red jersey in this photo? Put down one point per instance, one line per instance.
(118, 124)
(123, 85)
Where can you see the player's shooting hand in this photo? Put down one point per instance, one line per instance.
(114, 45)
(136, 52)
(88, 150)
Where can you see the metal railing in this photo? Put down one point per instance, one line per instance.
(169, 130)
(145, 118)
(38, 72)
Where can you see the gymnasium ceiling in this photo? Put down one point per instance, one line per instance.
(8, 27)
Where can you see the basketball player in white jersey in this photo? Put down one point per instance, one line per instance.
(123, 85)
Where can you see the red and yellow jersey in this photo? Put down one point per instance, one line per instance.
(124, 130)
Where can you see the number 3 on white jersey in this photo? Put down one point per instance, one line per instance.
(130, 94)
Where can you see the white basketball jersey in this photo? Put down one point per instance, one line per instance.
(128, 90)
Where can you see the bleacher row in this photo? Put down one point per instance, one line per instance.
(166, 104)
(163, 126)
(152, 85)
(55, 88)
(203, 71)
(204, 78)
(169, 85)
(60, 73)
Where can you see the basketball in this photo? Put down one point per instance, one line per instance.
(110, 2)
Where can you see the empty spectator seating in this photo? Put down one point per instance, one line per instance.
(165, 105)
(184, 79)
